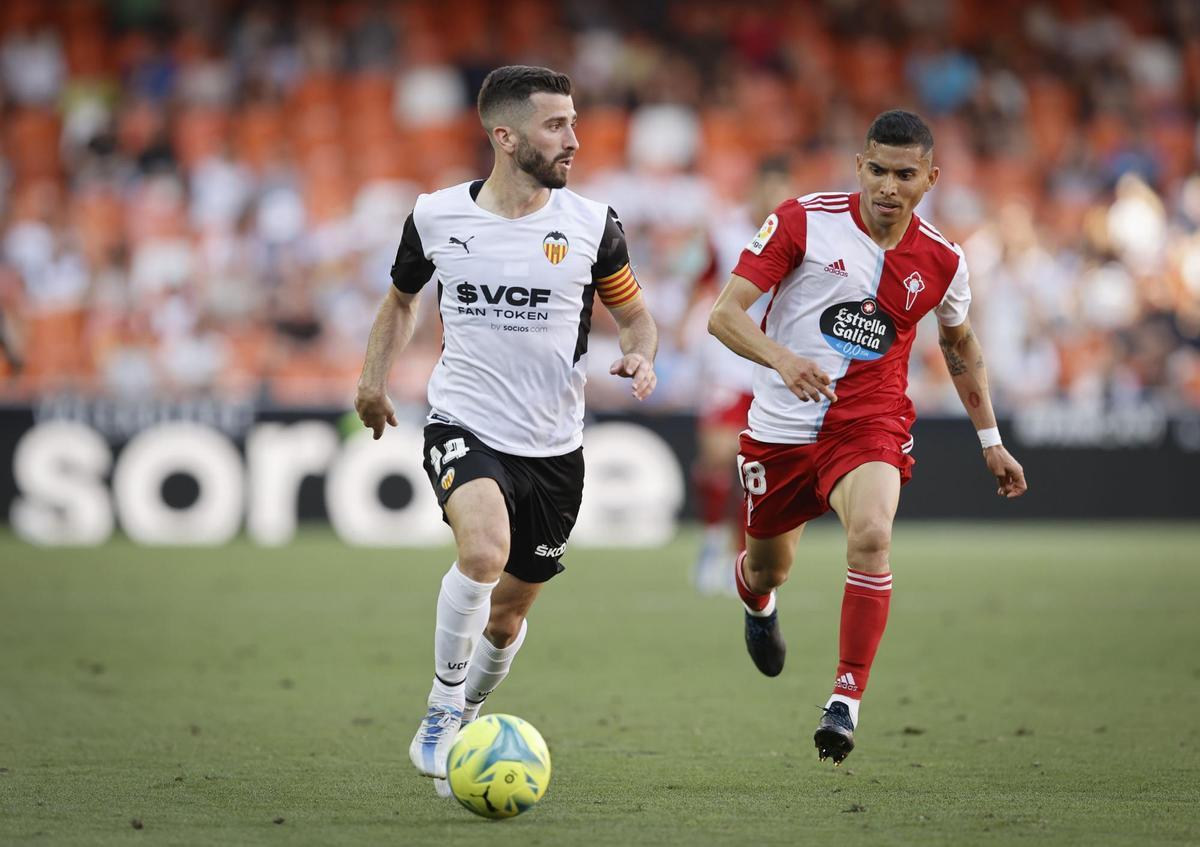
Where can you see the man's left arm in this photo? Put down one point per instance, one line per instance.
(619, 291)
(964, 360)
(639, 344)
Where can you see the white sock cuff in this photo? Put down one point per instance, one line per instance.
(767, 610)
(465, 593)
(498, 654)
(851, 704)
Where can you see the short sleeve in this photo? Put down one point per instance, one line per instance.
(952, 311)
(611, 272)
(777, 248)
(411, 270)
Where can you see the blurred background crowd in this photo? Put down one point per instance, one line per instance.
(205, 197)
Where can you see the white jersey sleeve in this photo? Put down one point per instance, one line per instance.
(952, 311)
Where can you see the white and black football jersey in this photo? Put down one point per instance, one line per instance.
(515, 297)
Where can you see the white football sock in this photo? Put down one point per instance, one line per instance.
(462, 612)
(851, 704)
(489, 665)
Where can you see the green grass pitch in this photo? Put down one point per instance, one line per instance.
(1038, 684)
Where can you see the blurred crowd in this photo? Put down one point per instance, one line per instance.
(205, 198)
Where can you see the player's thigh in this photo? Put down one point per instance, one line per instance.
(511, 601)
(478, 515)
(773, 555)
(550, 491)
(865, 500)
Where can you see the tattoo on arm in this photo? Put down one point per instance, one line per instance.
(973, 399)
(953, 360)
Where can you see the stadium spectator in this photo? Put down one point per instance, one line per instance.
(218, 151)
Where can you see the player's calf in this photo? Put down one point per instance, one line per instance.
(764, 641)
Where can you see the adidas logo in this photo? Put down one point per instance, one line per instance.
(846, 681)
(837, 268)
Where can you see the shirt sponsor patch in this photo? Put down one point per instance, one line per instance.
(858, 330)
(759, 241)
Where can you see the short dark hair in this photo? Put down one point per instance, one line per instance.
(512, 85)
(897, 128)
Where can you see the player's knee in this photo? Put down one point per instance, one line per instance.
(483, 559)
(763, 575)
(869, 542)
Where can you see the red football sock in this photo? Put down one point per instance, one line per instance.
(864, 617)
(713, 492)
(757, 602)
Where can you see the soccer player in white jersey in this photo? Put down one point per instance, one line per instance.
(850, 276)
(518, 260)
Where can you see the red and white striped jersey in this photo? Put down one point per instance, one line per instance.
(852, 307)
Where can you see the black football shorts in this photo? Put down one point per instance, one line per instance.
(542, 494)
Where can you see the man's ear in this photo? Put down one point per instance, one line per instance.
(504, 138)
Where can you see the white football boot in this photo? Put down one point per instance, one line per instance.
(441, 787)
(431, 745)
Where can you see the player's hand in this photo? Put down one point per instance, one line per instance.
(374, 410)
(806, 379)
(1010, 476)
(640, 369)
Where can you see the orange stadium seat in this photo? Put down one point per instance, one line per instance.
(1174, 148)
(23, 14)
(603, 133)
(98, 217)
(86, 54)
(31, 142)
(55, 353)
(438, 147)
(258, 134)
(1052, 116)
(200, 132)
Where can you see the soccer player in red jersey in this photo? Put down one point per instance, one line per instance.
(850, 276)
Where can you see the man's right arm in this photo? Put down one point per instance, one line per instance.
(732, 326)
(393, 329)
(391, 332)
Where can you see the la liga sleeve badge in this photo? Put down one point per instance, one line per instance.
(770, 225)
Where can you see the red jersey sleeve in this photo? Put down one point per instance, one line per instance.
(777, 248)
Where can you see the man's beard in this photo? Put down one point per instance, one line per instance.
(538, 166)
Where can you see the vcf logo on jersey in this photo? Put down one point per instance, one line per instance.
(555, 246)
(913, 285)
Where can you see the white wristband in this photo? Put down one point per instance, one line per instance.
(989, 437)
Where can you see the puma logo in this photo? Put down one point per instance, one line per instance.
(462, 244)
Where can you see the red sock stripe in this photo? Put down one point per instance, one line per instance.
(757, 602)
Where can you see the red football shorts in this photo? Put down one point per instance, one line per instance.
(789, 484)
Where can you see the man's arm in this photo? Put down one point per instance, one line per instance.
(964, 359)
(638, 337)
(390, 334)
(730, 324)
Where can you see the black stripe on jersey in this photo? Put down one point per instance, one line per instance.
(585, 321)
(411, 270)
(613, 253)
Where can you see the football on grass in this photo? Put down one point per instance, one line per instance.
(498, 766)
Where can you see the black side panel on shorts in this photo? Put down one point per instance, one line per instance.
(411, 270)
(585, 321)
